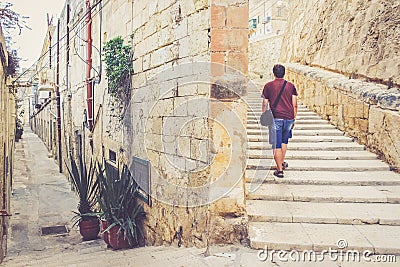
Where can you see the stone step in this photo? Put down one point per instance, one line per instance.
(379, 239)
(323, 178)
(303, 139)
(258, 110)
(323, 165)
(316, 155)
(258, 102)
(326, 193)
(340, 213)
(302, 121)
(258, 99)
(327, 146)
(256, 116)
(297, 132)
(297, 127)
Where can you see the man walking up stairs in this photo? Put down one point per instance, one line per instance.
(335, 194)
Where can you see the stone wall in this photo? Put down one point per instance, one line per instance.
(190, 68)
(355, 38)
(177, 124)
(367, 111)
(263, 55)
(7, 131)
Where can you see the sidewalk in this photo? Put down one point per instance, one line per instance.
(41, 197)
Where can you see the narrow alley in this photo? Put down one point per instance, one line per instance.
(41, 197)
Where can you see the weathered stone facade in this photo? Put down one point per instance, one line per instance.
(352, 75)
(367, 111)
(350, 37)
(263, 55)
(267, 17)
(7, 132)
(190, 61)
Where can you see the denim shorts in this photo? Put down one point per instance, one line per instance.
(280, 132)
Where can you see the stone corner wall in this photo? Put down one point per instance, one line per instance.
(7, 131)
(190, 62)
(190, 65)
(367, 111)
(350, 37)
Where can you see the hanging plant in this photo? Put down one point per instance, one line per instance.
(118, 60)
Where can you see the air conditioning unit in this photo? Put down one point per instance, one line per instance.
(46, 81)
(266, 19)
(43, 94)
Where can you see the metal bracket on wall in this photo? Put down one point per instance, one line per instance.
(5, 213)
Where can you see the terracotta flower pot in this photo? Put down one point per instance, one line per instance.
(89, 229)
(117, 241)
(104, 226)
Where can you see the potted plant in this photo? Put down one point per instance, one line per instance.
(86, 187)
(121, 212)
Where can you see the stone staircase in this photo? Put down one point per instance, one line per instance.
(333, 190)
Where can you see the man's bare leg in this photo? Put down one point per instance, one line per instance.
(284, 149)
(278, 156)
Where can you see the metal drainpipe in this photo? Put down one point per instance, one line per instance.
(67, 54)
(50, 37)
(58, 98)
(89, 89)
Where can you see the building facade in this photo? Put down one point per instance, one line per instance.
(267, 18)
(7, 132)
(184, 118)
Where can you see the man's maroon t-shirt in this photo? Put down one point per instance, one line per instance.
(284, 109)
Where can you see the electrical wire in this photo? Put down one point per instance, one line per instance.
(62, 38)
(53, 52)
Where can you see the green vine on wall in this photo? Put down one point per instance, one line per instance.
(118, 60)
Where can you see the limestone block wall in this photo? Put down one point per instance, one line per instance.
(173, 115)
(7, 131)
(229, 79)
(263, 54)
(366, 111)
(349, 37)
(177, 115)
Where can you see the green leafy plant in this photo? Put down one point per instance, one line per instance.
(117, 198)
(86, 187)
(118, 60)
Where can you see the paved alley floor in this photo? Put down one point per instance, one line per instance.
(41, 197)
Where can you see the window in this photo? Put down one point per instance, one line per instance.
(252, 23)
(112, 156)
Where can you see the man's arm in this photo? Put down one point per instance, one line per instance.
(294, 102)
(264, 104)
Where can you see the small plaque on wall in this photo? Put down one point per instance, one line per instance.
(141, 172)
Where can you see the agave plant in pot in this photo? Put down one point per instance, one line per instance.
(120, 209)
(86, 186)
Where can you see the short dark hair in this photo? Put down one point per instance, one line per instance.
(279, 70)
